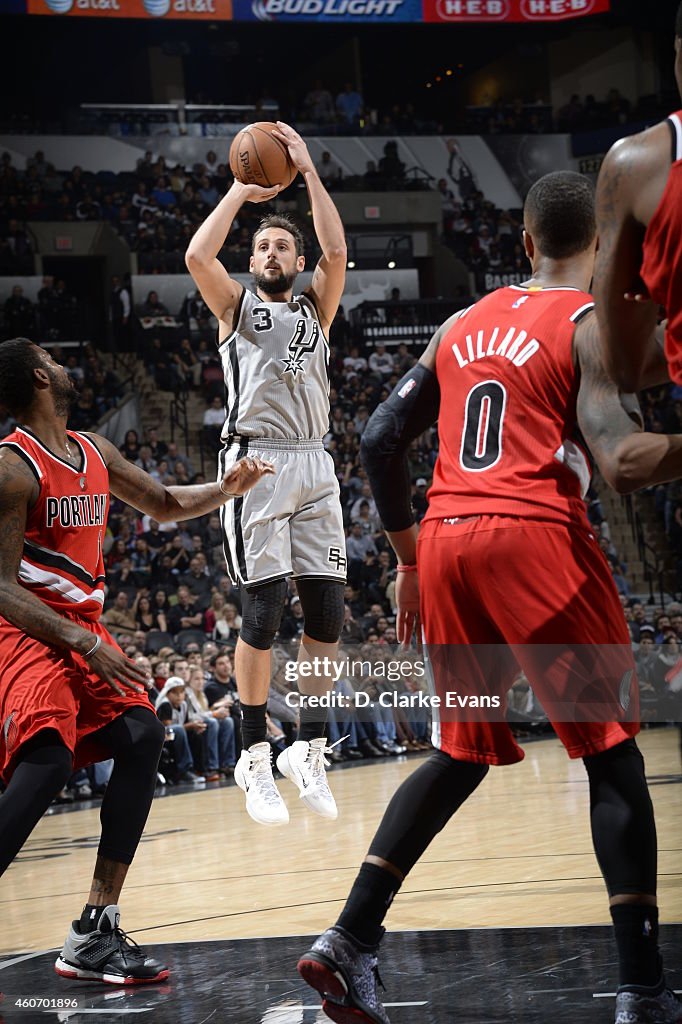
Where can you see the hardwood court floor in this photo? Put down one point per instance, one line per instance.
(518, 853)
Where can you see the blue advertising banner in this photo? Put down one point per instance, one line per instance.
(329, 11)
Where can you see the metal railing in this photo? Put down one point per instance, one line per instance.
(652, 562)
(179, 420)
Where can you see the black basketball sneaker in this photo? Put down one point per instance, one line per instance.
(345, 974)
(107, 954)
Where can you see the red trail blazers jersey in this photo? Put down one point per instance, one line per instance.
(508, 409)
(62, 561)
(662, 249)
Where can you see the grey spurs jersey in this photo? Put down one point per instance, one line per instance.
(276, 366)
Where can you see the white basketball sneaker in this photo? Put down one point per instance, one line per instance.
(304, 764)
(253, 774)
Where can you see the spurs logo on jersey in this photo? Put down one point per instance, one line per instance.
(276, 370)
(305, 339)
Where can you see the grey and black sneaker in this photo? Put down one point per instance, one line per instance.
(635, 1005)
(345, 973)
(107, 954)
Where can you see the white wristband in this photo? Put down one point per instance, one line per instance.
(95, 647)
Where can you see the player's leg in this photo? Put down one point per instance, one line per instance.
(318, 558)
(262, 607)
(304, 761)
(257, 550)
(624, 837)
(341, 964)
(37, 735)
(581, 658)
(96, 948)
(42, 767)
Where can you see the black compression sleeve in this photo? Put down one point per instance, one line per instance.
(410, 409)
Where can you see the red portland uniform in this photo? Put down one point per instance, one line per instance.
(662, 264)
(507, 560)
(43, 687)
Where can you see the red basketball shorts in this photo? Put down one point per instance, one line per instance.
(499, 594)
(45, 687)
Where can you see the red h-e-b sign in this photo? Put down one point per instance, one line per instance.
(511, 10)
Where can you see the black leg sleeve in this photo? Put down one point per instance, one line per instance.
(135, 739)
(422, 806)
(622, 818)
(44, 767)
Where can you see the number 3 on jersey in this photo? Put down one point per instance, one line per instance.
(483, 423)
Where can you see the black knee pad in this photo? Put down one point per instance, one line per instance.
(262, 608)
(322, 603)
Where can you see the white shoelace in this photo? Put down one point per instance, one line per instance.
(317, 762)
(261, 770)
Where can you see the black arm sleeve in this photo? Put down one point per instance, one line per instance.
(409, 410)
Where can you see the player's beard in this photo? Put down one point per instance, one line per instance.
(275, 285)
(64, 393)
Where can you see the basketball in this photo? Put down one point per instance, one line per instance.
(258, 158)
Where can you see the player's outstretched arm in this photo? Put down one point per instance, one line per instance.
(218, 290)
(18, 491)
(129, 483)
(623, 208)
(611, 423)
(329, 276)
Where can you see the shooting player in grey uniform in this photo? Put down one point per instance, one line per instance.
(275, 356)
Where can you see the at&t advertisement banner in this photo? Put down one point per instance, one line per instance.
(329, 11)
(211, 10)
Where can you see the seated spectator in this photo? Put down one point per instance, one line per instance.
(373, 179)
(349, 106)
(419, 501)
(292, 621)
(359, 545)
(19, 314)
(153, 307)
(213, 422)
(198, 583)
(381, 363)
(351, 631)
(329, 170)
(119, 618)
(391, 167)
(147, 616)
(183, 614)
(218, 739)
(131, 446)
(221, 689)
(319, 104)
(172, 709)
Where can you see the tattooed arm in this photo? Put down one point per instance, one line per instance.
(164, 504)
(630, 186)
(18, 491)
(611, 422)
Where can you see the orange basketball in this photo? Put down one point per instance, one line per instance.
(258, 158)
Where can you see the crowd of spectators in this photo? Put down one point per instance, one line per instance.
(54, 316)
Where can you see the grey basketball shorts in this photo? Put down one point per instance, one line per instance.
(289, 524)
